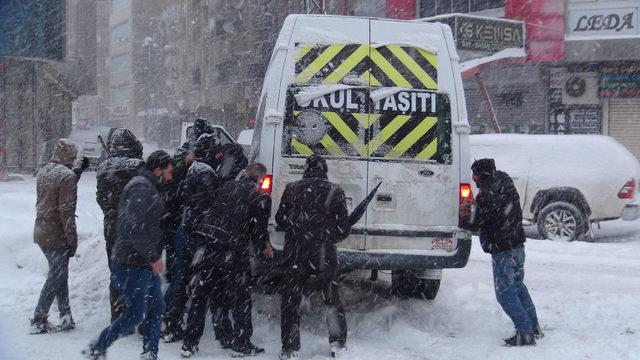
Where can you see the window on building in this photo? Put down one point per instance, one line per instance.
(120, 94)
(440, 7)
(197, 77)
(120, 63)
(121, 32)
(119, 5)
(482, 5)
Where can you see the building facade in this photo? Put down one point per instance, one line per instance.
(142, 67)
(36, 91)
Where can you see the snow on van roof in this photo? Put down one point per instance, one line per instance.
(313, 29)
(554, 158)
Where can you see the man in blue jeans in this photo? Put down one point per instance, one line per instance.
(498, 217)
(136, 260)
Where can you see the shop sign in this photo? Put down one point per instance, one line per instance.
(619, 80)
(484, 34)
(477, 34)
(613, 22)
(577, 119)
(120, 110)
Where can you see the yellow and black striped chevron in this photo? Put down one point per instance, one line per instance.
(364, 135)
(388, 65)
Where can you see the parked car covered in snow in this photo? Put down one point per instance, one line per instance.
(566, 182)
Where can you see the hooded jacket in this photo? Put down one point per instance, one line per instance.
(313, 212)
(200, 184)
(140, 237)
(239, 217)
(123, 163)
(55, 225)
(233, 161)
(498, 215)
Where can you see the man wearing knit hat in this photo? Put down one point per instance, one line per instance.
(499, 219)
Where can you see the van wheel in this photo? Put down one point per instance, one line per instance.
(562, 221)
(405, 284)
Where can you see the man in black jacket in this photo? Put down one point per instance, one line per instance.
(313, 211)
(235, 228)
(196, 193)
(123, 163)
(136, 259)
(499, 219)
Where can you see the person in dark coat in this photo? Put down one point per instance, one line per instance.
(313, 212)
(136, 258)
(55, 233)
(196, 192)
(234, 228)
(498, 217)
(124, 162)
(230, 160)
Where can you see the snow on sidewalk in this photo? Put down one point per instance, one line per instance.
(587, 296)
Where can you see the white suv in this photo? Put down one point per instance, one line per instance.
(566, 182)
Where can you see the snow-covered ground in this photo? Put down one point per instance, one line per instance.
(587, 296)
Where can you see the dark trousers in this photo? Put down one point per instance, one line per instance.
(180, 288)
(512, 294)
(298, 279)
(110, 228)
(174, 265)
(220, 283)
(56, 286)
(142, 295)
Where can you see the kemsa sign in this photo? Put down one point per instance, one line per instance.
(614, 22)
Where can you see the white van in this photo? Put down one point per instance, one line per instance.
(382, 101)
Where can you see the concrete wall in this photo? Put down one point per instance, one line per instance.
(35, 108)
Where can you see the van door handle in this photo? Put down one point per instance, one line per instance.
(425, 172)
(385, 197)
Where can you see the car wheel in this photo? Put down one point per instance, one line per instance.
(562, 221)
(405, 284)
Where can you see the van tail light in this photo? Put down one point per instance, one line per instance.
(627, 190)
(465, 192)
(266, 184)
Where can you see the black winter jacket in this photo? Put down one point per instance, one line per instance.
(140, 236)
(498, 215)
(197, 191)
(113, 175)
(313, 212)
(239, 217)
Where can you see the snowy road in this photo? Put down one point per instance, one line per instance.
(587, 295)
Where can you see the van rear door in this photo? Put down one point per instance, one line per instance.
(412, 148)
(326, 100)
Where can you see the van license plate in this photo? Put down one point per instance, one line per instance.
(442, 243)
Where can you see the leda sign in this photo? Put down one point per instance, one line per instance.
(611, 22)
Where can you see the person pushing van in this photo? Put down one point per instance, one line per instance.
(313, 212)
(499, 220)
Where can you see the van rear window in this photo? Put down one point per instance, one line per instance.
(366, 123)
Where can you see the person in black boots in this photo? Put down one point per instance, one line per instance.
(136, 260)
(123, 163)
(235, 227)
(196, 193)
(313, 212)
(498, 217)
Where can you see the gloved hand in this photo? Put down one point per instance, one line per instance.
(84, 165)
(71, 250)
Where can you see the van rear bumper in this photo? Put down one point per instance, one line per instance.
(407, 259)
